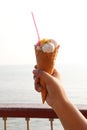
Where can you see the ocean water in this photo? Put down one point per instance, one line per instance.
(16, 86)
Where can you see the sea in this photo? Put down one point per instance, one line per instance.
(17, 86)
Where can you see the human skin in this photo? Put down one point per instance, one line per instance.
(69, 115)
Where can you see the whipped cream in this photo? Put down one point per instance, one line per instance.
(49, 47)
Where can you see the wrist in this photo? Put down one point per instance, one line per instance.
(60, 103)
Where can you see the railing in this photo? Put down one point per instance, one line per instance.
(28, 111)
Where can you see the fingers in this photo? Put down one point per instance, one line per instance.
(37, 84)
(38, 74)
(37, 81)
(42, 75)
(55, 73)
(38, 87)
(47, 78)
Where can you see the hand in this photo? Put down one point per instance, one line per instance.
(53, 85)
(69, 115)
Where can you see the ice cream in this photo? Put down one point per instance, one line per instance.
(47, 45)
(46, 51)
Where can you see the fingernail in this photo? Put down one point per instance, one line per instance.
(35, 71)
(39, 71)
(34, 77)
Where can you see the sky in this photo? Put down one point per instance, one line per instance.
(62, 20)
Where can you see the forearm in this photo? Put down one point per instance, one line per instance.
(70, 116)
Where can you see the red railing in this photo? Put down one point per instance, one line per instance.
(32, 111)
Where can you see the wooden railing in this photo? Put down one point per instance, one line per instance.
(28, 111)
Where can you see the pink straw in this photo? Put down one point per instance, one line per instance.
(36, 28)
